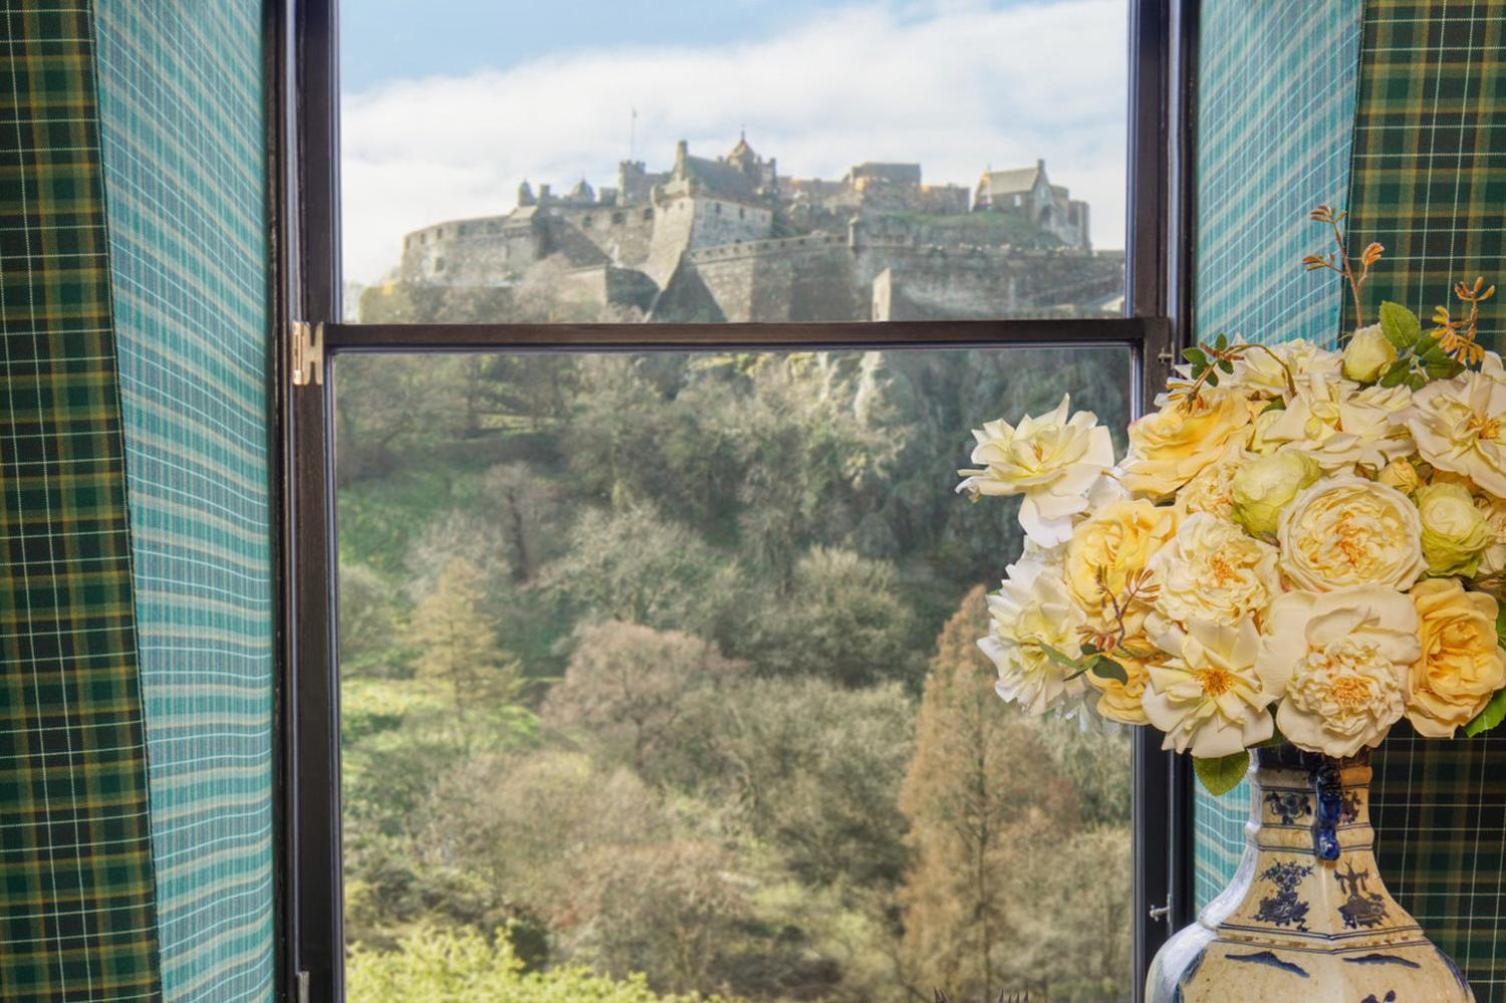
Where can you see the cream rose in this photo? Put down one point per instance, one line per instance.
(1207, 697)
(1212, 570)
(1368, 355)
(1052, 459)
(1340, 662)
(1460, 425)
(1107, 549)
(1454, 530)
(1493, 559)
(1030, 613)
(1339, 425)
(1171, 446)
(1461, 665)
(1211, 490)
(1346, 531)
(1264, 370)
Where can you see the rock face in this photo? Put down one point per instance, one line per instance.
(1307, 917)
(730, 240)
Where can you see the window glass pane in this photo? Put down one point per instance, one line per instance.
(766, 160)
(666, 664)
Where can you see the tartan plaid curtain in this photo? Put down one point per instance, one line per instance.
(77, 919)
(1424, 167)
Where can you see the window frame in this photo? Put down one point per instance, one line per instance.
(302, 70)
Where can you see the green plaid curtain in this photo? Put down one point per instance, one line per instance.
(1429, 182)
(1429, 176)
(77, 920)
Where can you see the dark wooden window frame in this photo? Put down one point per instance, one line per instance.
(303, 137)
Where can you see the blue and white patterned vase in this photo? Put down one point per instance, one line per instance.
(1307, 917)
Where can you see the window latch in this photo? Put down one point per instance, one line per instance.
(1159, 913)
(308, 353)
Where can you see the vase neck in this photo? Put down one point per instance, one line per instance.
(1303, 802)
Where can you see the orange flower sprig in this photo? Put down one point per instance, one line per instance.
(1457, 337)
(1340, 261)
(1139, 588)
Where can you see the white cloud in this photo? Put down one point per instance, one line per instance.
(952, 84)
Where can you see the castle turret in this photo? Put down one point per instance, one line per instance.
(525, 194)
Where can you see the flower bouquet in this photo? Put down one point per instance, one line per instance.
(1301, 545)
(1301, 548)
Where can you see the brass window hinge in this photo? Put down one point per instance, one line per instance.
(308, 353)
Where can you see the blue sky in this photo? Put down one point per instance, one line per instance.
(383, 39)
(448, 104)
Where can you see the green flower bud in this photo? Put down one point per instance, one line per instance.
(1454, 530)
(1368, 355)
(1265, 485)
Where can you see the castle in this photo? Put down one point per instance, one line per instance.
(730, 239)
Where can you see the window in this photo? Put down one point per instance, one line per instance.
(623, 557)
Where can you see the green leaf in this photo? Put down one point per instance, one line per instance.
(1196, 356)
(1063, 659)
(1107, 668)
(1493, 714)
(1227, 365)
(1221, 342)
(1223, 774)
(1275, 404)
(1396, 375)
(1400, 325)
(1501, 623)
(1213, 377)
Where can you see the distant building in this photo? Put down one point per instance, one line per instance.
(1028, 193)
(729, 239)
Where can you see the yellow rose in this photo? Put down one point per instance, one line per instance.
(1454, 531)
(1401, 475)
(1120, 701)
(1368, 355)
(1461, 666)
(1171, 446)
(1347, 531)
(1112, 545)
(1339, 661)
(1211, 570)
(1460, 425)
(1267, 484)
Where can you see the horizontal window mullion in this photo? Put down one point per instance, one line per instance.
(1133, 331)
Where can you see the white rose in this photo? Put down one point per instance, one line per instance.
(1340, 662)
(1030, 613)
(1051, 459)
(1460, 425)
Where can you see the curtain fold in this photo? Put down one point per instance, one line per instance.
(77, 918)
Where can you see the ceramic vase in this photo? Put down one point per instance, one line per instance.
(1307, 917)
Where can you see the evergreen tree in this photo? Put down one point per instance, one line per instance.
(457, 645)
(984, 807)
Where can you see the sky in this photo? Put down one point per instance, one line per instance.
(448, 104)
